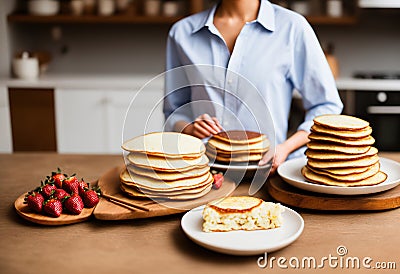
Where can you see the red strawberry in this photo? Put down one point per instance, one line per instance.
(82, 187)
(53, 207)
(218, 180)
(35, 201)
(74, 204)
(57, 177)
(60, 194)
(90, 198)
(71, 185)
(47, 190)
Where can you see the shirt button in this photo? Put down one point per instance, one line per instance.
(230, 81)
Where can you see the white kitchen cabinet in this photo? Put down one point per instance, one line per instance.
(5, 122)
(92, 121)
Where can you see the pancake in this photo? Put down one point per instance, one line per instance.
(168, 176)
(354, 134)
(344, 170)
(331, 156)
(338, 148)
(237, 159)
(363, 162)
(241, 137)
(167, 165)
(168, 144)
(341, 122)
(136, 194)
(325, 180)
(262, 146)
(366, 141)
(241, 213)
(371, 171)
(169, 193)
(152, 184)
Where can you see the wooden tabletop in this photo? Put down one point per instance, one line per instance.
(158, 245)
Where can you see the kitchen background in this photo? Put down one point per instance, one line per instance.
(99, 62)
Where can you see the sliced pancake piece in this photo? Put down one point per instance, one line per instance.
(241, 137)
(344, 170)
(168, 144)
(338, 148)
(136, 194)
(341, 122)
(167, 165)
(241, 213)
(229, 148)
(152, 184)
(371, 171)
(312, 177)
(168, 176)
(363, 162)
(347, 134)
(332, 156)
(367, 141)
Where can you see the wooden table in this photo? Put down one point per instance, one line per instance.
(158, 245)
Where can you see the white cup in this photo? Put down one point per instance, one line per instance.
(334, 8)
(301, 7)
(152, 7)
(171, 8)
(26, 67)
(106, 7)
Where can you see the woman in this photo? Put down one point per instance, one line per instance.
(274, 48)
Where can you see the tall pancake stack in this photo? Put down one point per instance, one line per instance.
(340, 153)
(237, 146)
(166, 165)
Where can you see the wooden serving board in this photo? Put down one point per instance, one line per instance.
(289, 195)
(65, 219)
(110, 185)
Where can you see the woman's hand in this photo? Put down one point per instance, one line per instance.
(282, 151)
(204, 126)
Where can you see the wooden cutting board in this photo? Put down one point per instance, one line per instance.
(110, 184)
(291, 196)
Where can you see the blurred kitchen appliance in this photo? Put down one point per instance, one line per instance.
(382, 110)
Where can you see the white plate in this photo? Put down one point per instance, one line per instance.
(290, 171)
(243, 242)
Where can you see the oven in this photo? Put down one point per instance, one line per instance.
(382, 110)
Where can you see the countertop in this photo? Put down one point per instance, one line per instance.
(158, 245)
(137, 81)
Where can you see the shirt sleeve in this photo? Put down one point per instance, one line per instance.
(312, 77)
(177, 95)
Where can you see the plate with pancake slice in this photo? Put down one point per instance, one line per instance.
(251, 226)
(291, 172)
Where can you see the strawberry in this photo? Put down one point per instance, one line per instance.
(218, 180)
(57, 178)
(71, 185)
(52, 207)
(82, 187)
(35, 201)
(90, 198)
(60, 194)
(74, 204)
(47, 189)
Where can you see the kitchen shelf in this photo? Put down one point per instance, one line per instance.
(326, 20)
(92, 19)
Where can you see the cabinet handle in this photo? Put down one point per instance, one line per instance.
(383, 110)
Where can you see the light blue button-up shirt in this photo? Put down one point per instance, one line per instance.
(273, 55)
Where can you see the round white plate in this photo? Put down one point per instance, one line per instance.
(290, 171)
(243, 242)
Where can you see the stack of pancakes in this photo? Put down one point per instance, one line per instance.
(340, 153)
(237, 146)
(166, 165)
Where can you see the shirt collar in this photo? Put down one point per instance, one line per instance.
(266, 17)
